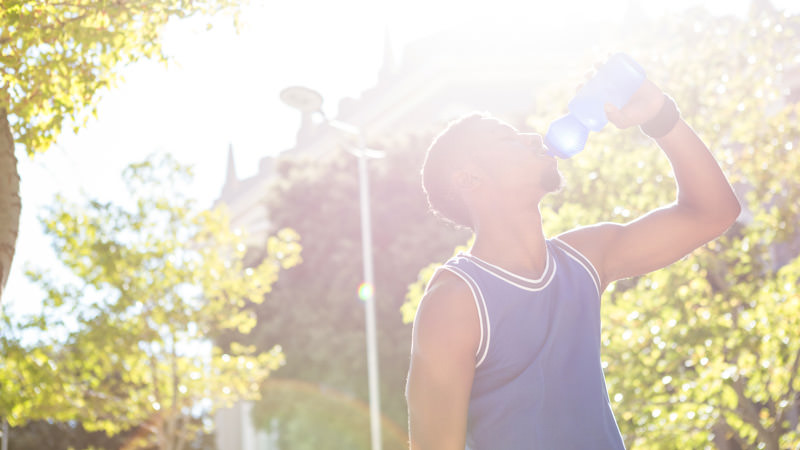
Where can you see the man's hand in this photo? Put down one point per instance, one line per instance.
(643, 106)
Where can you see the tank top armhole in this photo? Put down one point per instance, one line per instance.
(483, 314)
(582, 260)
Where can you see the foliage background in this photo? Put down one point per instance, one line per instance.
(701, 354)
(123, 343)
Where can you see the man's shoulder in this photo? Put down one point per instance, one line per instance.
(593, 243)
(447, 290)
(447, 314)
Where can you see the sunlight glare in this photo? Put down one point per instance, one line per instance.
(365, 291)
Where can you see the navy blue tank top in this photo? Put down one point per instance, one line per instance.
(539, 381)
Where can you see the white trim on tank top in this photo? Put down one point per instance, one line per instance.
(519, 281)
(581, 259)
(483, 314)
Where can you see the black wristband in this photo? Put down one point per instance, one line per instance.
(664, 121)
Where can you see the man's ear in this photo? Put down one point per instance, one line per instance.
(466, 180)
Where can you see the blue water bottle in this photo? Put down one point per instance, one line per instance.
(615, 82)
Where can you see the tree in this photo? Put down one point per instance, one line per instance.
(705, 352)
(314, 309)
(55, 60)
(125, 342)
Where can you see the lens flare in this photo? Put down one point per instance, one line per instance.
(365, 291)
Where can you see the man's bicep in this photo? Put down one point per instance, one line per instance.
(649, 243)
(438, 400)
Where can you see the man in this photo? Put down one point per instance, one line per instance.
(506, 342)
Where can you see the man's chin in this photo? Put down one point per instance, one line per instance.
(552, 182)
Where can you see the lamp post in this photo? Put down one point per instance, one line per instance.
(309, 101)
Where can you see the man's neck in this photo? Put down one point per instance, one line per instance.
(514, 242)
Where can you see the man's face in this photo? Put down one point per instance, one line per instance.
(517, 160)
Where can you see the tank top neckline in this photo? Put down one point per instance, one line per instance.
(515, 279)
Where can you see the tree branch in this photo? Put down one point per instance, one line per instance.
(174, 415)
(790, 391)
(181, 430)
(160, 428)
(722, 428)
(749, 412)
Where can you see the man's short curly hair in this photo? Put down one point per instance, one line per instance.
(446, 153)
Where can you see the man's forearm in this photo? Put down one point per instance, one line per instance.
(702, 186)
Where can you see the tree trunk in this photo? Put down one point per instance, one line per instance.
(725, 437)
(10, 204)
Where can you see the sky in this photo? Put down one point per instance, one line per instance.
(222, 88)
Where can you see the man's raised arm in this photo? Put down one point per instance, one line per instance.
(704, 208)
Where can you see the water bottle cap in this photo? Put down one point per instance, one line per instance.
(566, 137)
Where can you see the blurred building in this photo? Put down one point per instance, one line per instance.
(439, 78)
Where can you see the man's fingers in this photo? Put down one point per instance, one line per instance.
(616, 116)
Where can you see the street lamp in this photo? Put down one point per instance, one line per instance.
(309, 101)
